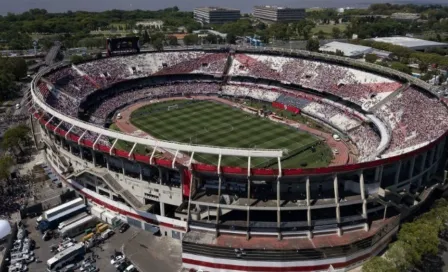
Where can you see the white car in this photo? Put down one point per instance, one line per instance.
(117, 260)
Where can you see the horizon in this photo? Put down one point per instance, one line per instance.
(58, 6)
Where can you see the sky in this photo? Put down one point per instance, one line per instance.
(17, 6)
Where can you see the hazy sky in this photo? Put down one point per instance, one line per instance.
(245, 5)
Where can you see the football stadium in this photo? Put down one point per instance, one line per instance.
(257, 159)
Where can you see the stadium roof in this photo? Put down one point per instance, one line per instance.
(350, 50)
(411, 43)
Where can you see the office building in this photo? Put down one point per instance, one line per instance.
(216, 15)
(278, 14)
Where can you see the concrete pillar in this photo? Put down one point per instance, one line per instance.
(338, 219)
(162, 209)
(141, 172)
(308, 215)
(107, 164)
(218, 209)
(422, 168)
(336, 189)
(397, 173)
(70, 148)
(122, 167)
(308, 192)
(248, 209)
(361, 185)
(278, 210)
(411, 168)
(93, 157)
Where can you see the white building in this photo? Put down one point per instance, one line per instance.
(411, 43)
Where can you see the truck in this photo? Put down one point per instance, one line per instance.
(72, 220)
(52, 218)
(79, 226)
(105, 216)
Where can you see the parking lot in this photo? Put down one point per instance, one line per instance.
(146, 251)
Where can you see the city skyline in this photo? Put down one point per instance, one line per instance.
(245, 6)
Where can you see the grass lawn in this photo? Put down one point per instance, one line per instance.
(211, 123)
(328, 29)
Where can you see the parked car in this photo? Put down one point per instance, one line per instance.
(123, 227)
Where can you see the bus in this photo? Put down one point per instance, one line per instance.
(65, 256)
(51, 213)
(72, 220)
(79, 226)
(51, 218)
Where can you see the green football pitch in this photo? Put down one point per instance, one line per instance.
(213, 123)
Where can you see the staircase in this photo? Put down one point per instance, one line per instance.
(390, 97)
(115, 186)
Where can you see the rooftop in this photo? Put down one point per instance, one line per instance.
(275, 7)
(411, 43)
(217, 9)
(350, 50)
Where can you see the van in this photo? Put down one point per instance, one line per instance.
(108, 233)
(336, 137)
(118, 115)
(17, 106)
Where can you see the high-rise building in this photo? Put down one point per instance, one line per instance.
(278, 14)
(216, 15)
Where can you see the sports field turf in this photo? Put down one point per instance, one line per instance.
(212, 123)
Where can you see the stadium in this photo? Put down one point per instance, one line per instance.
(257, 159)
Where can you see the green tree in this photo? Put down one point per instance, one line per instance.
(6, 163)
(321, 34)
(306, 31)
(312, 45)
(378, 264)
(421, 236)
(231, 38)
(16, 66)
(401, 67)
(15, 138)
(191, 39)
(158, 44)
(212, 39)
(145, 37)
(402, 255)
(77, 59)
(339, 53)
(372, 58)
(336, 32)
(172, 40)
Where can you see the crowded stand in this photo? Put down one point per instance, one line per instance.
(253, 91)
(414, 118)
(109, 105)
(356, 86)
(71, 82)
(366, 140)
(111, 70)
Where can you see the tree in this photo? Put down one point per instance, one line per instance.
(321, 34)
(372, 58)
(158, 44)
(421, 236)
(401, 67)
(191, 39)
(312, 45)
(336, 32)
(401, 255)
(172, 40)
(231, 38)
(306, 31)
(16, 66)
(77, 59)
(378, 264)
(6, 163)
(339, 53)
(212, 39)
(15, 137)
(145, 37)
